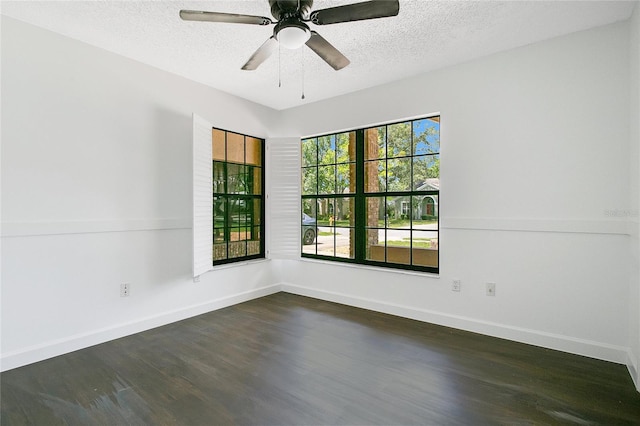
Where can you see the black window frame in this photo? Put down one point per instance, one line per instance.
(360, 199)
(247, 199)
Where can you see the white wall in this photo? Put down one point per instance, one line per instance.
(634, 113)
(535, 146)
(96, 191)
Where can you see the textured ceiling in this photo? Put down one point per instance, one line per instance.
(426, 35)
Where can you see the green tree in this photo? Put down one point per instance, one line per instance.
(319, 170)
(426, 140)
(327, 161)
(309, 161)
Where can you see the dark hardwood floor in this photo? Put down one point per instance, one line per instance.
(291, 360)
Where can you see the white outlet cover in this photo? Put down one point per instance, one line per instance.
(125, 289)
(491, 289)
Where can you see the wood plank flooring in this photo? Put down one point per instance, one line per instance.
(291, 360)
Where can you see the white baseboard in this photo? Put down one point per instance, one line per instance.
(617, 354)
(54, 348)
(633, 368)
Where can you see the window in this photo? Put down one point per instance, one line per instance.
(405, 208)
(238, 200)
(370, 196)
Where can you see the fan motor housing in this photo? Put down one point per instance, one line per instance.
(289, 8)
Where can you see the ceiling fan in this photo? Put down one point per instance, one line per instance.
(291, 30)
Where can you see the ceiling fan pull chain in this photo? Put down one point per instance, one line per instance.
(302, 71)
(279, 72)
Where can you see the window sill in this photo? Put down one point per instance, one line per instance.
(238, 264)
(372, 268)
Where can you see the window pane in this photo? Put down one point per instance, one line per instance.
(219, 209)
(220, 251)
(426, 173)
(425, 248)
(398, 212)
(426, 137)
(254, 151)
(326, 241)
(309, 229)
(256, 234)
(326, 179)
(375, 212)
(237, 212)
(309, 207)
(308, 238)
(254, 210)
(309, 152)
(310, 181)
(375, 249)
(375, 143)
(344, 211)
(326, 210)
(218, 144)
(398, 246)
(426, 212)
(236, 179)
(346, 178)
(253, 245)
(237, 249)
(344, 238)
(375, 175)
(219, 178)
(218, 235)
(399, 174)
(375, 217)
(399, 140)
(346, 147)
(253, 180)
(239, 234)
(235, 148)
(327, 149)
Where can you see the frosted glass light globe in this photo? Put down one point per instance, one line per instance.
(293, 37)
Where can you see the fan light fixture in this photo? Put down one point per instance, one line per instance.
(292, 32)
(293, 35)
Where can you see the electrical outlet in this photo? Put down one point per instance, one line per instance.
(456, 285)
(491, 289)
(196, 279)
(124, 289)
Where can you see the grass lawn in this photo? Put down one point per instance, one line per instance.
(404, 223)
(407, 243)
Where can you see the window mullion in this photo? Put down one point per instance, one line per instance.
(227, 203)
(411, 198)
(360, 201)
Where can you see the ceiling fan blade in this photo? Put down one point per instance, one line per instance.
(232, 18)
(356, 12)
(261, 55)
(326, 51)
